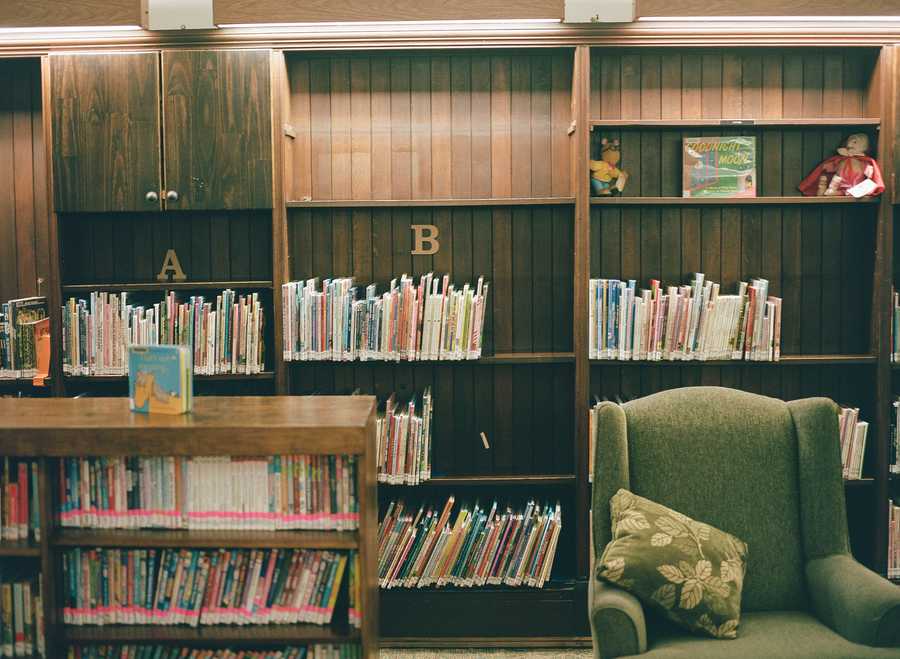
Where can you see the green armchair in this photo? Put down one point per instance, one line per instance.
(768, 472)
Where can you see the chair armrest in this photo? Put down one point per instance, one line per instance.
(854, 601)
(617, 621)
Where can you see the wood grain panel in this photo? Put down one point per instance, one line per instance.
(24, 255)
(105, 131)
(218, 128)
(211, 246)
(730, 84)
(460, 125)
(530, 299)
(822, 272)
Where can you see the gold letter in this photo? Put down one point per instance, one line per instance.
(171, 263)
(425, 233)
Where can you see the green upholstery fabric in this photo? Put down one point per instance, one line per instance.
(769, 473)
(854, 601)
(617, 620)
(728, 458)
(773, 635)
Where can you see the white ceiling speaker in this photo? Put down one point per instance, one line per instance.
(177, 14)
(599, 11)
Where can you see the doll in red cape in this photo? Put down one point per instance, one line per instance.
(838, 174)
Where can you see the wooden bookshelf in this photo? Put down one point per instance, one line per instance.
(433, 203)
(249, 426)
(731, 201)
(737, 122)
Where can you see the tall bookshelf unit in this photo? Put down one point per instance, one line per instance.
(223, 426)
(488, 139)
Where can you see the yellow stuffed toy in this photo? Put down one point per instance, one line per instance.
(605, 175)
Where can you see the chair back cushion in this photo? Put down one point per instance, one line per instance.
(729, 458)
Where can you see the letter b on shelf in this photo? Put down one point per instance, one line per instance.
(425, 239)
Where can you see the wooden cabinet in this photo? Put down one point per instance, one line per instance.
(217, 128)
(215, 147)
(106, 154)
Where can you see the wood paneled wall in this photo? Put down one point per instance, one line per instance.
(524, 252)
(130, 248)
(455, 125)
(746, 84)
(24, 216)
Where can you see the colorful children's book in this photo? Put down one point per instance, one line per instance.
(160, 379)
(719, 167)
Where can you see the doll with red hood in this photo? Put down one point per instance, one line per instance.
(850, 173)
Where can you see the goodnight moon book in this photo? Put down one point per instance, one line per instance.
(719, 167)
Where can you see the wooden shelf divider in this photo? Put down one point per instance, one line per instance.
(71, 537)
(220, 377)
(736, 122)
(69, 289)
(461, 202)
(527, 480)
(268, 634)
(786, 360)
(731, 201)
(20, 548)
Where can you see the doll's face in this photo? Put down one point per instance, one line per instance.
(857, 144)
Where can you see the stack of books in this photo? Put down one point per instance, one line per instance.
(404, 440)
(20, 510)
(274, 493)
(431, 320)
(18, 352)
(21, 618)
(315, 651)
(853, 442)
(693, 322)
(893, 570)
(201, 587)
(224, 336)
(482, 546)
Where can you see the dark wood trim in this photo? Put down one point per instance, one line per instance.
(859, 483)
(213, 634)
(786, 360)
(532, 642)
(280, 258)
(213, 539)
(19, 548)
(399, 203)
(729, 201)
(581, 95)
(734, 123)
(221, 377)
(528, 480)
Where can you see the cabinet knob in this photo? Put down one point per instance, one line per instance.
(171, 195)
(151, 196)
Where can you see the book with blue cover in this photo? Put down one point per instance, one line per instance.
(160, 379)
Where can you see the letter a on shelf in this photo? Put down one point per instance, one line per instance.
(173, 265)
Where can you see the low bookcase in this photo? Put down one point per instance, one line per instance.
(50, 430)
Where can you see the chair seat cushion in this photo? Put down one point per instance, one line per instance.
(781, 634)
(691, 572)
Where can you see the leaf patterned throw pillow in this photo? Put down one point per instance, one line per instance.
(689, 570)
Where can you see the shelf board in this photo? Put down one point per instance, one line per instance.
(222, 377)
(729, 201)
(858, 482)
(168, 286)
(19, 548)
(499, 358)
(546, 480)
(212, 539)
(399, 203)
(735, 123)
(287, 634)
(786, 360)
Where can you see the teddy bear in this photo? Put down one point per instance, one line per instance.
(605, 175)
(850, 173)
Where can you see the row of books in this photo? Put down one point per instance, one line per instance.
(281, 492)
(420, 548)
(21, 618)
(431, 320)
(18, 351)
(404, 440)
(20, 511)
(314, 651)
(893, 569)
(201, 587)
(693, 322)
(224, 335)
(853, 442)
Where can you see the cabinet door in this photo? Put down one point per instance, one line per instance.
(106, 152)
(217, 129)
